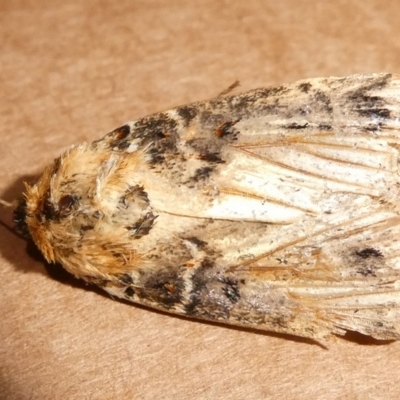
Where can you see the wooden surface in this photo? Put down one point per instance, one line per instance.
(72, 71)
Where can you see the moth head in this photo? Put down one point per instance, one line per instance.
(87, 209)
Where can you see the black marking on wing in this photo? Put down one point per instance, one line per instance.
(305, 87)
(368, 105)
(143, 226)
(187, 113)
(164, 287)
(230, 288)
(119, 138)
(202, 174)
(369, 252)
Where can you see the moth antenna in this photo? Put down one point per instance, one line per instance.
(10, 204)
(230, 88)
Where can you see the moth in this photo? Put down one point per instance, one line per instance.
(276, 209)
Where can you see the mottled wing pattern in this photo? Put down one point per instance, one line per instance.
(275, 209)
(333, 247)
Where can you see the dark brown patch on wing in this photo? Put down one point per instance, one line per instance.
(200, 281)
(129, 291)
(154, 128)
(368, 261)
(201, 244)
(325, 127)
(305, 87)
(368, 105)
(230, 288)
(187, 113)
(369, 252)
(202, 174)
(225, 290)
(143, 226)
(164, 287)
(126, 279)
(321, 103)
(119, 138)
(226, 129)
(297, 126)
(211, 158)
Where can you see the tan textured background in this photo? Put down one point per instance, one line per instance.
(72, 71)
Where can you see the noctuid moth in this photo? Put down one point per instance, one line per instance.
(276, 209)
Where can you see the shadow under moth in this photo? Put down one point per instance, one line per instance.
(276, 209)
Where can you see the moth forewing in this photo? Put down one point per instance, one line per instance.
(275, 209)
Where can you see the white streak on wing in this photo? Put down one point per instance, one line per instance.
(276, 189)
(250, 209)
(309, 164)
